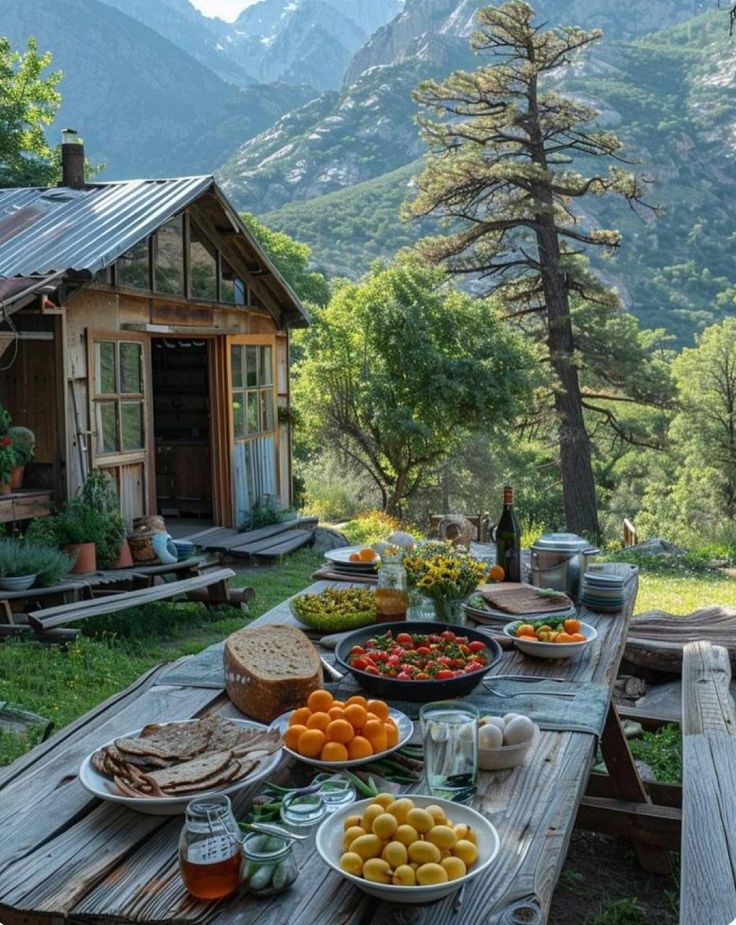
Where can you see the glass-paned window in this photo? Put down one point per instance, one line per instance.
(232, 288)
(169, 251)
(254, 400)
(118, 396)
(203, 264)
(133, 267)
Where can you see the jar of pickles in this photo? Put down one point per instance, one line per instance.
(268, 864)
(392, 597)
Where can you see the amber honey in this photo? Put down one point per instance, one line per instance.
(212, 870)
(391, 604)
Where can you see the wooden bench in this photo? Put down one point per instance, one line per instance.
(50, 617)
(708, 862)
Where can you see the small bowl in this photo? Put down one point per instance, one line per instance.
(18, 582)
(551, 649)
(328, 842)
(507, 756)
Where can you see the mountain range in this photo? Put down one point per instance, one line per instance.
(303, 108)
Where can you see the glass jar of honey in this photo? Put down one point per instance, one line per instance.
(210, 848)
(392, 597)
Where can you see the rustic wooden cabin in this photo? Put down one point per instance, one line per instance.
(146, 332)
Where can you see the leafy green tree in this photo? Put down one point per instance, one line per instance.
(291, 259)
(398, 369)
(29, 101)
(507, 155)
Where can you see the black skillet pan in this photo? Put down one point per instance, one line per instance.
(418, 691)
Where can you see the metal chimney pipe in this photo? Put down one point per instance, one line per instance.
(72, 160)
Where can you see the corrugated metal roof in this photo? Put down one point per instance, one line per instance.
(48, 230)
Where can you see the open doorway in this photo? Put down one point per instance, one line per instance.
(181, 427)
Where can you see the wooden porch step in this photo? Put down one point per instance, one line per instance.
(298, 539)
(80, 610)
(228, 540)
(252, 549)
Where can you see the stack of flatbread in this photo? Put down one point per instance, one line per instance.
(178, 759)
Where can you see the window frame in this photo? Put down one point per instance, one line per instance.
(258, 341)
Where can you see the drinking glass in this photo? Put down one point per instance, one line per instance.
(450, 730)
(336, 791)
(302, 812)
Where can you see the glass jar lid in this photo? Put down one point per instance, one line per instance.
(261, 847)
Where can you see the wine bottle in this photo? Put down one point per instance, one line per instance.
(508, 539)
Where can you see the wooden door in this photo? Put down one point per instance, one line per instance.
(120, 420)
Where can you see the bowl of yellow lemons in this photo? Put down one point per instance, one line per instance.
(404, 849)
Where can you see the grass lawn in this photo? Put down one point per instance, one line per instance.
(681, 594)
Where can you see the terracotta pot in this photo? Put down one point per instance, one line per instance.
(16, 477)
(5, 488)
(141, 548)
(124, 559)
(85, 558)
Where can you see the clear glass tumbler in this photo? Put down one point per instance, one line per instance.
(336, 791)
(450, 731)
(302, 812)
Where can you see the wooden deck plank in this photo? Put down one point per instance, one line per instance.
(68, 613)
(298, 539)
(248, 537)
(264, 546)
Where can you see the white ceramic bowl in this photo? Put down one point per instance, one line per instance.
(551, 649)
(329, 845)
(406, 729)
(507, 756)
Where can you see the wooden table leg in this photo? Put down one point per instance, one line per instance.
(6, 614)
(653, 846)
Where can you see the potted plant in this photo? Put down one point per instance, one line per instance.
(7, 461)
(100, 493)
(24, 444)
(23, 564)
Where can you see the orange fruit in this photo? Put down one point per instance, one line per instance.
(375, 731)
(336, 713)
(392, 734)
(366, 554)
(572, 626)
(564, 637)
(354, 557)
(359, 747)
(334, 751)
(356, 698)
(378, 708)
(291, 737)
(337, 703)
(356, 715)
(320, 701)
(299, 717)
(311, 743)
(578, 637)
(340, 730)
(318, 721)
(496, 573)
(527, 637)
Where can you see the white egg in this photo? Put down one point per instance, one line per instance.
(518, 731)
(467, 733)
(495, 721)
(490, 736)
(509, 717)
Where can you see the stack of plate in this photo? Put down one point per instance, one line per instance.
(339, 561)
(604, 587)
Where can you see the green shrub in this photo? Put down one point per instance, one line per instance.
(20, 557)
(373, 526)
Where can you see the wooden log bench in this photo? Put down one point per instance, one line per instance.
(708, 862)
(656, 639)
(49, 617)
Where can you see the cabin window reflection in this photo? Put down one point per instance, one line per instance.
(203, 263)
(232, 289)
(169, 258)
(133, 268)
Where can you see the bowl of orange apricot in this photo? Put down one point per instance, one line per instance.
(330, 733)
(550, 638)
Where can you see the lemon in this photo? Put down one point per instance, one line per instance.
(461, 830)
(352, 863)
(395, 854)
(455, 868)
(406, 834)
(437, 813)
(442, 836)
(420, 819)
(369, 814)
(401, 809)
(350, 821)
(377, 870)
(404, 876)
(424, 852)
(355, 831)
(385, 825)
(466, 851)
(367, 846)
(384, 799)
(431, 873)
(471, 836)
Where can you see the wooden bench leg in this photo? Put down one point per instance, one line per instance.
(651, 828)
(6, 614)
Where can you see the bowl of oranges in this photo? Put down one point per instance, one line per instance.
(550, 638)
(330, 733)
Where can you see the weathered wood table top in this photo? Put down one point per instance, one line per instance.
(66, 855)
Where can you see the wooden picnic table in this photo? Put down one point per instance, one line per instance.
(67, 856)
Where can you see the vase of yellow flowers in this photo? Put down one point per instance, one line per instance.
(444, 576)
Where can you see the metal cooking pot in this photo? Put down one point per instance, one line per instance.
(559, 560)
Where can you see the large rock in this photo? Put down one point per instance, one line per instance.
(657, 547)
(326, 538)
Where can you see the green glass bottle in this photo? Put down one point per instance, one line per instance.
(508, 539)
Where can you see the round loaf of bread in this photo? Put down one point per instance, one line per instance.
(270, 669)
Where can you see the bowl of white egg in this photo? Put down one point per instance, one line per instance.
(503, 741)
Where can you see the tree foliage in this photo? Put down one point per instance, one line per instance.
(506, 173)
(29, 101)
(399, 368)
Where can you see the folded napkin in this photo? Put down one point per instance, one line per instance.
(517, 598)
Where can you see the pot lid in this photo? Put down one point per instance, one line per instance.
(562, 542)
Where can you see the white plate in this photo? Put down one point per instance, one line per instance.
(342, 556)
(551, 649)
(328, 842)
(406, 728)
(105, 789)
